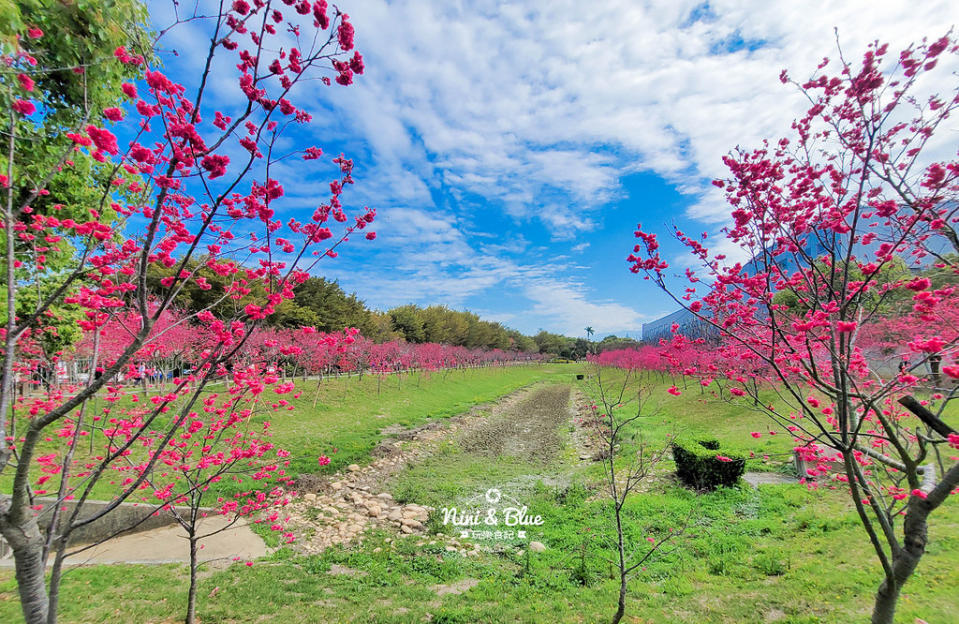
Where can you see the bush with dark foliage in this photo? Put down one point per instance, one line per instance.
(700, 464)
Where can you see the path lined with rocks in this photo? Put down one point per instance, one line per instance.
(337, 510)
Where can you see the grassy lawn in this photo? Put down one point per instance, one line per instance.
(779, 553)
(343, 417)
(351, 412)
(702, 413)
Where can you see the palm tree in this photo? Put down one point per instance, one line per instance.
(589, 333)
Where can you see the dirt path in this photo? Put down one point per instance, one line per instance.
(169, 545)
(339, 509)
(526, 426)
(529, 431)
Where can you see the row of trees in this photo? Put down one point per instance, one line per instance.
(324, 305)
(613, 342)
(827, 218)
(175, 344)
(441, 324)
(121, 189)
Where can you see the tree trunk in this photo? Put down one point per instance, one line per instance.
(56, 574)
(191, 598)
(27, 544)
(884, 609)
(915, 534)
(621, 609)
(620, 541)
(934, 366)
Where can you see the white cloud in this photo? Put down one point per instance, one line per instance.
(568, 309)
(533, 104)
(538, 109)
(435, 263)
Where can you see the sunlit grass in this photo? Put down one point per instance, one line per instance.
(776, 553)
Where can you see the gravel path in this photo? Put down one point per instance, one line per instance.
(527, 431)
(339, 509)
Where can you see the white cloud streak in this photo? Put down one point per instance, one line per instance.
(538, 110)
(533, 104)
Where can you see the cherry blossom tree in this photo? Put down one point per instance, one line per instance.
(223, 444)
(190, 180)
(625, 470)
(862, 185)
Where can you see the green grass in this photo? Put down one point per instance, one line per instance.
(748, 554)
(350, 413)
(780, 552)
(698, 413)
(342, 417)
(701, 413)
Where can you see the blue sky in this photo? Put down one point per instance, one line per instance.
(510, 148)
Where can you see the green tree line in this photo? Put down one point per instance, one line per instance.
(325, 305)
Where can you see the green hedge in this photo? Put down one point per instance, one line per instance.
(698, 467)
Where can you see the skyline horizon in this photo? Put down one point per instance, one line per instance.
(512, 189)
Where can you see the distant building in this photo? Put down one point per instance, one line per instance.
(692, 327)
(689, 326)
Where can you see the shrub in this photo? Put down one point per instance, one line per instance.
(700, 465)
(771, 563)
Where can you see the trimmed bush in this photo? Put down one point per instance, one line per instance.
(701, 465)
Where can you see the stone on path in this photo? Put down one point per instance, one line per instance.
(756, 479)
(459, 587)
(341, 570)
